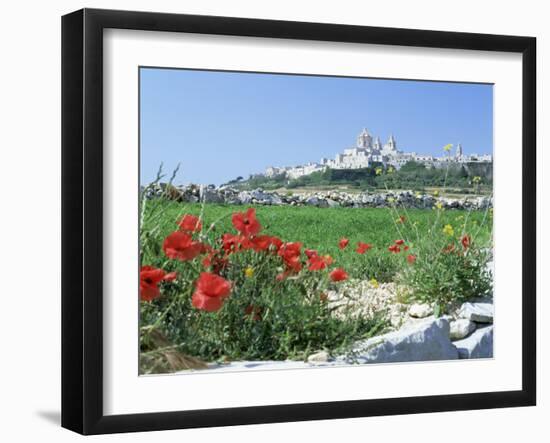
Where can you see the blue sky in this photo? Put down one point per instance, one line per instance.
(220, 125)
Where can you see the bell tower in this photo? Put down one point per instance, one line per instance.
(392, 144)
(364, 140)
(459, 151)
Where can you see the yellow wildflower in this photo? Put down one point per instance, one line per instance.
(391, 170)
(448, 230)
(476, 179)
(438, 205)
(448, 147)
(249, 272)
(391, 199)
(374, 283)
(378, 171)
(436, 193)
(418, 195)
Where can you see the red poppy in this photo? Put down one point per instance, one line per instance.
(290, 253)
(216, 261)
(290, 249)
(362, 247)
(190, 223)
(411, 258)
(343, 243)
(395, 249)
(399, 242)
(406, 248)
(210, 291)
(466, 241)
(294, 264)
(149, 279)
(316, 262)
(254, 312)
(246, 222)
(231, 243)
(180, 245)
(276, 242)
(263, 242)
(246, 243)
(338, 274)
(310, 253)
(402, 219)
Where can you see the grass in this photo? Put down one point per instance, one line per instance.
(319, 228)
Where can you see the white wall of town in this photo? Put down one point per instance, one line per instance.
(369, 151)
(30, 245)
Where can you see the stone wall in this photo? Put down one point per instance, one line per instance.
(322, 199)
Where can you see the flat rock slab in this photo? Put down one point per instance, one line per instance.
(319, 357)
(420, 310)
(480, 312)
(477, 345)
(461, 328)
(423, 340)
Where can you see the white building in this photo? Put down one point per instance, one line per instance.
(368, 151)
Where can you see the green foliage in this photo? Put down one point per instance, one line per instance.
(260, 181)
(451, 263)
(412, 175)
(375, 264)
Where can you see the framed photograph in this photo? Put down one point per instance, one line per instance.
(269, 221)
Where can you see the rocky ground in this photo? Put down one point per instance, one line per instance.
(228, 195)
(416, 334)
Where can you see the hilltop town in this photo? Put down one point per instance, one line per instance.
(369, 151)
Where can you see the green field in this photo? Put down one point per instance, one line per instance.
(272, 316)
(322, 228)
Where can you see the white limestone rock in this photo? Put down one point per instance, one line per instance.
(418, 341)
(244, 197)
(316, 201)
(420, 310)
(479, 311)
(265, 198)
(477, 345)
(461, 328)
(208, 195)
(318, 357)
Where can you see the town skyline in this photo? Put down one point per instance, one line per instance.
(369, 150)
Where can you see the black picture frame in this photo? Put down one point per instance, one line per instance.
(82, 218)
